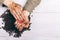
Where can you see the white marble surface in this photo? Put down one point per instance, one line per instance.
(45, 23)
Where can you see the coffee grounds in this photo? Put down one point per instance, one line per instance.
(9, 27)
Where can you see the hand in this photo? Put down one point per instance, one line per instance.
(20, 15)
(20, 24)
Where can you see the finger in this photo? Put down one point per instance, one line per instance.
(17, 11)
(17, 24)
(26, 13)
(20, 12)
(20, 28)
(14, 11)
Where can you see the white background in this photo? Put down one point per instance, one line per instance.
(45, 23)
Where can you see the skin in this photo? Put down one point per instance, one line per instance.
(25, 17)
(20, 14)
